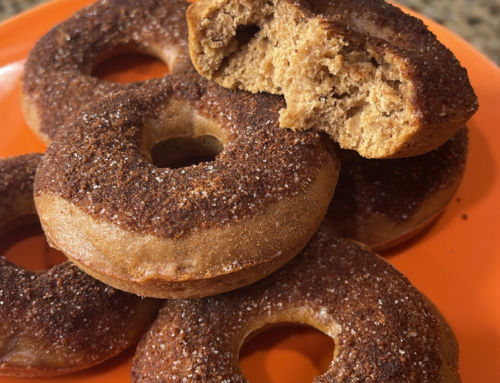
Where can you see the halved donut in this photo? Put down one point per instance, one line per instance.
(372, 77)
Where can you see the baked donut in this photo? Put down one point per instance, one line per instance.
(384, 329)
(57, 80)
(385, 202)
(191, 231)
(17, 206)
(59, 320)
(374, 78)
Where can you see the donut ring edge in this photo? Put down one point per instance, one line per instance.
(438, 98)
(90, 257)
(210, 331)
(35, 342)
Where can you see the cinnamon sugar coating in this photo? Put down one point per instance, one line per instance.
(57, 80)
(372, 77)
(384, 329)
(59, 320)
(17, 175)
(383, 202)
(195, 230)
(99, 165)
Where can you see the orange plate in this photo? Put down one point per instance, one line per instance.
(456, 262)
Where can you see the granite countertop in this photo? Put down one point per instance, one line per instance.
(477, 21)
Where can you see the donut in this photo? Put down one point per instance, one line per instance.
(57, 80)
(17, 206)
(385, 202)
(372, 77)
(166, 232)
(59, 320)
(384, 329)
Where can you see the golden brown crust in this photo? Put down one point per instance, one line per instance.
(385, 202)
(227, 222)
(57, 80)
(59, 320)
(371, 76)
(384, 329)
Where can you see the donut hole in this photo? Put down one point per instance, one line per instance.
(179, 152)
(128, 64)
(26, 246)
(179, 137)
(287, 352)
(129, 68)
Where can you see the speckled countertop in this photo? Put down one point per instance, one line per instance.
(477, 21)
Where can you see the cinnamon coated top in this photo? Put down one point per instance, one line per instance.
(17, 175)
(396, 188)
(63, 320)
(101, 161)
(443, 93)
(384, 329)
(51, 319)
(57, 80)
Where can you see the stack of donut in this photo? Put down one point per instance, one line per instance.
(114, 193)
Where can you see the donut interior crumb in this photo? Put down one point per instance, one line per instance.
(329, 81)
